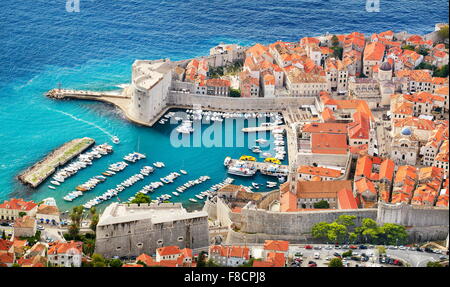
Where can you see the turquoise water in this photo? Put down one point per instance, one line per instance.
(42, 46)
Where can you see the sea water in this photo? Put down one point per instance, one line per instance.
(43, 45)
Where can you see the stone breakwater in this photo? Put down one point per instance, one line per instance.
(41, 170)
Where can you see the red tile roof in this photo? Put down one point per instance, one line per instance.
(277, 245)
(329, 143)
(346, 199)
(64, 247)
(168, 250)
(5, 245)
(374, 52)
(18, 204)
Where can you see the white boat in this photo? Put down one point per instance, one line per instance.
(55, 182)
(183, 171)
(255, 185)
(193, 200)
(115, 140)
(199, 196)
(175, 193)
(51, 187)
(241, 171)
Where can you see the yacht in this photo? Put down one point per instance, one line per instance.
(193, 200)
(55, 182)
(183, 171)
(51, 187)
(241, 171)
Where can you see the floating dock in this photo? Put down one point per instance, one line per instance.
(262, 167)
(41, 170)
(261, 129)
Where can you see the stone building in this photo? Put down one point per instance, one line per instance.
(405, 148)
(149, 88)
(130, 230)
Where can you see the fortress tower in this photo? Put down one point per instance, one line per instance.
(150, 85)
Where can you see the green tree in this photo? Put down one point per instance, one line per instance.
(76, 215)
(88, 246)
(74, 231)
(320, 230)
(201, 259)
(381, 249)
(393, 234)
(352, 236)
(347, 253)
(22, 214)
(408, 47)
(94, 222)
(115, 263)
(346, 220)
(3, 234)
(423, 51)
(425, 66)
(441, 72)
(434, 264)
(141, 198)
(323, 204)
(334, 41)
(141, 263)
(336, 262)
(211, 263)
(443, 32)
(336, 232)
(235, 93)
(338, 52)
(98, 260)
(15, 265)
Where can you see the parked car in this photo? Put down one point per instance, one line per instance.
(353, 247)
(329, 247)
(362, 247)
(4, 224)
(317, 248)
(298, 254)
(312, 264)
(337, 254)
(429, 250)
(308, 247)
(317, 255)
(419, 249)
(40, 227)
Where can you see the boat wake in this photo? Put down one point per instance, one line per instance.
(113, 137)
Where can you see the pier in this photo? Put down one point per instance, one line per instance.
(261, 129)
(41, 170)
(262, 167)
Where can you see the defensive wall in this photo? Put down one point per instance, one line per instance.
(255, 224)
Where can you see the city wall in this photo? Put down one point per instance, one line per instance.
(236, 104)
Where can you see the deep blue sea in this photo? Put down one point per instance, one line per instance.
(43, 45)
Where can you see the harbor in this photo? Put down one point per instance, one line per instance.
(101, 183)
(40, 171)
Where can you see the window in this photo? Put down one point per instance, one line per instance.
(118, 248)
(139, 245)
(180, 238)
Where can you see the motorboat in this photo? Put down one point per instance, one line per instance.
(193, 200)
(183, 171)
(115, 140)
(55, 182)
(51, 187)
